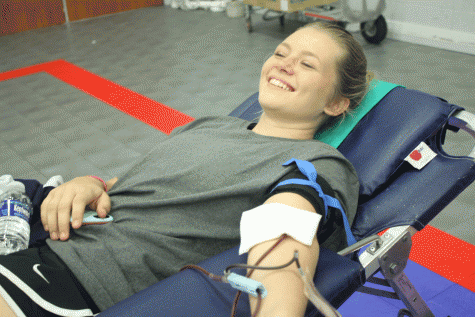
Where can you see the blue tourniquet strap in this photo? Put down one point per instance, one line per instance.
(309, 171)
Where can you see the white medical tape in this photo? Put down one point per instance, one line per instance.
(270, 221)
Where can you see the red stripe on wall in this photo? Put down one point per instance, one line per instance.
(82, 9)
(432, 248)
(18, 16)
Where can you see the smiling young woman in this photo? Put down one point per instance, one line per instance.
(315, 75)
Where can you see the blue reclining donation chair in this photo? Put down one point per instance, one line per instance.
(393, 194)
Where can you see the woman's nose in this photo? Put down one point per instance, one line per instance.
(287, 69)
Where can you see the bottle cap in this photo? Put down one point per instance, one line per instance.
(16, 186)
(5, 180)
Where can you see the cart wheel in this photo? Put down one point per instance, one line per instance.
(374, 31)
(404, 312)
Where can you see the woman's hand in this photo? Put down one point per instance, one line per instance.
(71, 199)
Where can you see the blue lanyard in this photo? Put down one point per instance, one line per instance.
(309, 171)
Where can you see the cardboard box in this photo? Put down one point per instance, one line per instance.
(287, 5)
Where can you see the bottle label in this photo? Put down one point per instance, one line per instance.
(14, 208)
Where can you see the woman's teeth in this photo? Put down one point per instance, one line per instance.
(277, 83)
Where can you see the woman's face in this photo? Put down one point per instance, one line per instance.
(308, 58)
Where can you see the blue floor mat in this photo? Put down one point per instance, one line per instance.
(444, 298)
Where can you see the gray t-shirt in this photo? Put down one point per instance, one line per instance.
(182, 203)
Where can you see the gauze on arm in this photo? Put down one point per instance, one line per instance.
(270, 221)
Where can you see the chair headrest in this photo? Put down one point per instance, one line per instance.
(335, 134)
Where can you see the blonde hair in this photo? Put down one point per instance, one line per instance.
(352, 76)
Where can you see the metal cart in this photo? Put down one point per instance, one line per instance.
(372, 23)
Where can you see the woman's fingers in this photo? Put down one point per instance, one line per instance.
(64, 215)
(49, 207)
(52, 222)
(103, 205)
(68, 202)
(58, 211)
(77, 212)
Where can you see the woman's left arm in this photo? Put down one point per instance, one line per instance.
(285, 296)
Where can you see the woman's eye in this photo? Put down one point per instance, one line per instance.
(305, 64)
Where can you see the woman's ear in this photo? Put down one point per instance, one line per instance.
(337, 107)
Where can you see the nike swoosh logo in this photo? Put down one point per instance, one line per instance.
(35, 268)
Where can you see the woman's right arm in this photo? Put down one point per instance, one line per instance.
(70, 200)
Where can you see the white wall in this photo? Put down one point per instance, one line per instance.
(446, 24)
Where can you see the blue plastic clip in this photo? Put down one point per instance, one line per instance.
(245, 284)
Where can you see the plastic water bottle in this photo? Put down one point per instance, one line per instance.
(15, 213)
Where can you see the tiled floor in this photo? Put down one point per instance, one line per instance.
(198, 62)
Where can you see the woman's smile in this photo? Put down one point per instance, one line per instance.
(279, 86)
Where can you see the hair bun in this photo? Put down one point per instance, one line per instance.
(369, 76)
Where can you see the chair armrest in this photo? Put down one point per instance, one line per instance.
(361, 244)
(370, 258)
(379, 246)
